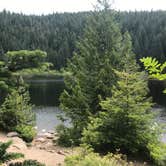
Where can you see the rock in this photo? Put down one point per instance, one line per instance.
(61, 153)
(40, 139)
(18, 143)
(51, 132)
(12, 134)
(56, 134)
(55, 139)
(49, 136)
(51, 151)
(42, 148)
(40, 135)
(49, 144)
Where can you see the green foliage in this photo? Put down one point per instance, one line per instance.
(4, 156)
(88, 158)
(17, 60)
(16, 111)
(127, 122)
(32, 72)
(61, 31)
(6, 79)
(27, 163)
(155, 69)
(26, 132)
(67, 136)
(158, 153)
(101, 49)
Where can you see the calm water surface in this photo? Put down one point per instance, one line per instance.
(46, 118)
(45, 92)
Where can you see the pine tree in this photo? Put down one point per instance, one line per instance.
(100, 51)
(127, 122)
(16, 111)
(4, 156)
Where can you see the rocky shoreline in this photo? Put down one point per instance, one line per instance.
(43, 148)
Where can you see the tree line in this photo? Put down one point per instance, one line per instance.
(57, 33)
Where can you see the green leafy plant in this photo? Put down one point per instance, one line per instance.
(68, 136)
(86, 157)
(155, 69)
(26, 132)
(127, 122)
(4, 156)
(27, 163)
(16, 110)
(22, 59)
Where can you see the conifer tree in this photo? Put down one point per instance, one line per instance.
(101, 50)
(127, 122)
(5, 156)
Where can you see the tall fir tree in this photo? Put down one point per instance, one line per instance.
(127, 122)
(101, 50)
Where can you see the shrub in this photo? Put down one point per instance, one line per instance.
(17, 60)
(89, 158)
(4, 156)
(26, 132)
(67, 136)
(27, 163)
(158, 153)
(127, 122)
(16, 111)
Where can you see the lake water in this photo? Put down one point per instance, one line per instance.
(45, 92)
(161, 118)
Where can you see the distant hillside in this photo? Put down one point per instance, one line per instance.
(57, 33)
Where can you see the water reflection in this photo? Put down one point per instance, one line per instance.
(46, 118)
(45, 92)
(161, 119)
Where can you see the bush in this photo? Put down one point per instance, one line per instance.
(27, 163)
(4, 156)
(89, 158)
(127, 122)
(16, 111)
(17, 60)
(26, 132)
(158, 153)
(67, 136)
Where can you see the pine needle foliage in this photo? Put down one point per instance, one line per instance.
(4, 156)
(101, 50)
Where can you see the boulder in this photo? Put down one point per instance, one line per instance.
(40, 139)
(12, 134)
(18, 143)
(56, 134)
(51, 131)
(49, 136)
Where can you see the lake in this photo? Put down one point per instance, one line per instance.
(45, 92)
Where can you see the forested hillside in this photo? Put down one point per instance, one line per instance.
(57, 33)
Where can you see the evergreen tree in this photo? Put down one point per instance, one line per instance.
(101, 50)
(4, 156)
(16, 111)
(127, 122)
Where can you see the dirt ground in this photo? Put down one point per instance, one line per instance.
(54, 156)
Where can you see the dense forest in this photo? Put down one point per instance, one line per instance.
(106, 115)
(57, 33)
